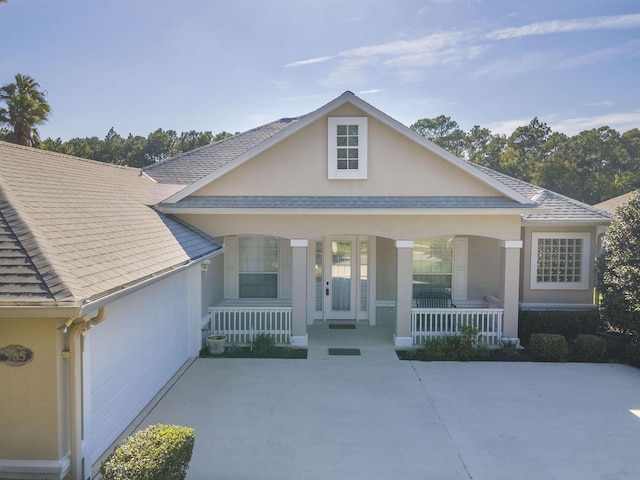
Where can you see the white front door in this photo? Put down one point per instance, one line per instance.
(340, 278)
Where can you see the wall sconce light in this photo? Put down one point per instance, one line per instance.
(205, 265)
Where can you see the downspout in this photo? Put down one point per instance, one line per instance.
(78, 330)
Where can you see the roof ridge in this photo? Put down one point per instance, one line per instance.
(64, 155)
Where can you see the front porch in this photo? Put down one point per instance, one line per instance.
(241, 323)
(293, 289)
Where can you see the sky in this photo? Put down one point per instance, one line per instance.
(225, 65)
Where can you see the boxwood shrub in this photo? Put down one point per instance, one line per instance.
(549, 347)
(568, 323)
(160, 452)
(590, 348)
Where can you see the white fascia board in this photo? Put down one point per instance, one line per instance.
(382, 117)
(352, 212)
(565, 223)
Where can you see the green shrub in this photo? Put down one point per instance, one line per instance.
(263, 345)
(632, 353)
(462, 347)
(549, 347)
(160, 452)
(590, 348)
(568, 323)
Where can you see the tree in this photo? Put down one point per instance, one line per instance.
(484, 148)
(26, 107)
(442, 131)
(619, 269)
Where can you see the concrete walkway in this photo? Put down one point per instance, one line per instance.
(375, 417)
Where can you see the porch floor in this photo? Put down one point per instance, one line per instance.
(363, 336)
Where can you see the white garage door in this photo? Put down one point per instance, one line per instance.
(143, 341)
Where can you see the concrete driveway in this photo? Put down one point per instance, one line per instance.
(375, 417)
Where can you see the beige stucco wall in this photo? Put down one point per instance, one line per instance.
(396, 227)
(396, 166)
(555, 296)
(33, 398)
(213, 283)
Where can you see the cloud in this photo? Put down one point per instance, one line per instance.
(621, 121)
(615, 22)
(366, 92)
(513, 66)
(310, 61)
(599, 56)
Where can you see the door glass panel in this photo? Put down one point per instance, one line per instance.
(319, 277)
(364, 275)
(341, 276)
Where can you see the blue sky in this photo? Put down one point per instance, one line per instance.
(139, 65)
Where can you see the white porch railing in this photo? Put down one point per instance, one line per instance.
(241, 324)
(435, 322)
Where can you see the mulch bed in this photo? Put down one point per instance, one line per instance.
(246, 352)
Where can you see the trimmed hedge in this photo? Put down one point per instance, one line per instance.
(160, 452)
(550, 347)
(568, 323)
(590, 348)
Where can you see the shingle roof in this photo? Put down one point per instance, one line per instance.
(191, 166)
(557, 206)
(611, 205)
(82, 229)
(194, 166)
(355, 202)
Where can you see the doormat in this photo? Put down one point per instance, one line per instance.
(344, 351)
(341, 326)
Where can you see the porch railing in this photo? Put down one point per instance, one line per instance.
(242, 324)
(435, 322)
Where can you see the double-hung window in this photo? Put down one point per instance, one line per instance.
(560, 260)
(433, 264)
(258, 267)
(347, 148)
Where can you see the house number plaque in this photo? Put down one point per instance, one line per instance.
(15, 355)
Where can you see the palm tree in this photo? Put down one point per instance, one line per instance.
(26, 108)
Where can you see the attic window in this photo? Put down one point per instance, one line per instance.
(347, 158)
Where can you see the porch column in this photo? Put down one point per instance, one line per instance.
(510, 287)
(299, 292)
(404, 293)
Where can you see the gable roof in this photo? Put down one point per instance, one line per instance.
(213, 160)
(75, 230)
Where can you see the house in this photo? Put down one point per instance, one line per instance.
(611, 205)
(79, 246)
(340, 215)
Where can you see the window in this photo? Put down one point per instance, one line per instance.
(347, 148)
(432, 264)
(560, 260)
(258, 267)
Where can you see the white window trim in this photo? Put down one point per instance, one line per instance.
(585, 264)
(361, 172)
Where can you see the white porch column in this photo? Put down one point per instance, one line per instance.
(511, 286)
(299, 292)
(404, 293)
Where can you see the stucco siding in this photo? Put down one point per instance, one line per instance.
(560, 296)
(144, 340)
(396, 166)
(484, 276)
(33, 398)
(396, 227)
